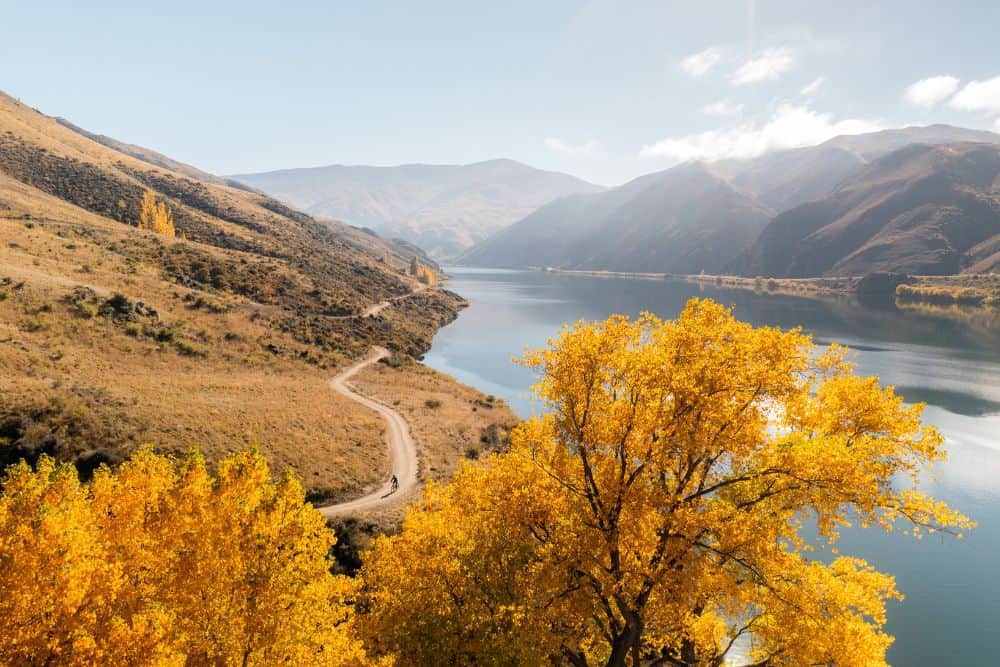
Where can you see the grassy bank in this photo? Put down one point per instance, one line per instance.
(981, 290)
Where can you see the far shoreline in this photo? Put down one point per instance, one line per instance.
(973, 290)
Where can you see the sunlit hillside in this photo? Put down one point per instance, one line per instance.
(221, 336)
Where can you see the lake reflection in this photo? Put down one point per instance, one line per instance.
(952, 604)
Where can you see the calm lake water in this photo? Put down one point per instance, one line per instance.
(952, 608)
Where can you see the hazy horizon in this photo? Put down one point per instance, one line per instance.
(601, 92)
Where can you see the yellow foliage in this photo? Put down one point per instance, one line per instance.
(160, 563)
(945, 294)
(427, 275)
(156, 217)
(424, 274)
(652, 515)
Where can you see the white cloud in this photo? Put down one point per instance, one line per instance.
(928, 93)
(813, 87)
(769, 64)
(979, 96)
(698, 64)
(996, 126)
(790, 127)
(722, 108)
(588, 149)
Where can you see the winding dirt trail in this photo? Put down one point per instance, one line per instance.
(402, 448)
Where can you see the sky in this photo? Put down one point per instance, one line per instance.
(603, 90)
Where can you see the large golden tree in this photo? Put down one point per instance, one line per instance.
(653, 515)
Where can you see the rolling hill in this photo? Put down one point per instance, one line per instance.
(441, 208)
(221, 337)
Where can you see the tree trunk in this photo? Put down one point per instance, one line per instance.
(626, 642)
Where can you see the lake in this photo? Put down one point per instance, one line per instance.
(952, 606)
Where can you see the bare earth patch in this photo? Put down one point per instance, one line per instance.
(450, 421)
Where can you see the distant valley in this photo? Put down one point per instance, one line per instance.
(444, 209)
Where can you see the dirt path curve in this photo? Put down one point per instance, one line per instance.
(402, 448)
(372, 311)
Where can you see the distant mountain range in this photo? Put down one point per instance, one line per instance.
(921, 209)
(444, 209)
(917, 199)
(685, 218)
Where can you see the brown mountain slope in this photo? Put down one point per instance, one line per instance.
(921, 209)
(682, 220)
(145, 154)
(686, 222)
(240, 242)
(112, 337)
(873, 145)
(789, 178)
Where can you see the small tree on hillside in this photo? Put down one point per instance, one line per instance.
(427, 276)
(156, 217)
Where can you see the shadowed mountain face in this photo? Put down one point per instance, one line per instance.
(695, 217)
(921, 209)
(786, 179)
(442, 208)
(683, 220)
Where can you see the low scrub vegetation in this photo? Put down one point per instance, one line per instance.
(942, 294)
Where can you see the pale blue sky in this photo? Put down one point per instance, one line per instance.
(599, 89)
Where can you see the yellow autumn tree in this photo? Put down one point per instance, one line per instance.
(159, 562)
(156, 216)
(653, 515)
(427, 276)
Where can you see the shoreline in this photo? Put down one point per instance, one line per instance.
(965, 290)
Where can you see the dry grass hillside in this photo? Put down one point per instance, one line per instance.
(112, 336)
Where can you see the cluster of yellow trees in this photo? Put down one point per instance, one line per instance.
(943, 294)
(423, 273)
(156, 217)
(160, 563)
(651, 517)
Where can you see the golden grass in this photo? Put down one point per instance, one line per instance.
(134, 389)
(254, 311)
(941, 294)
